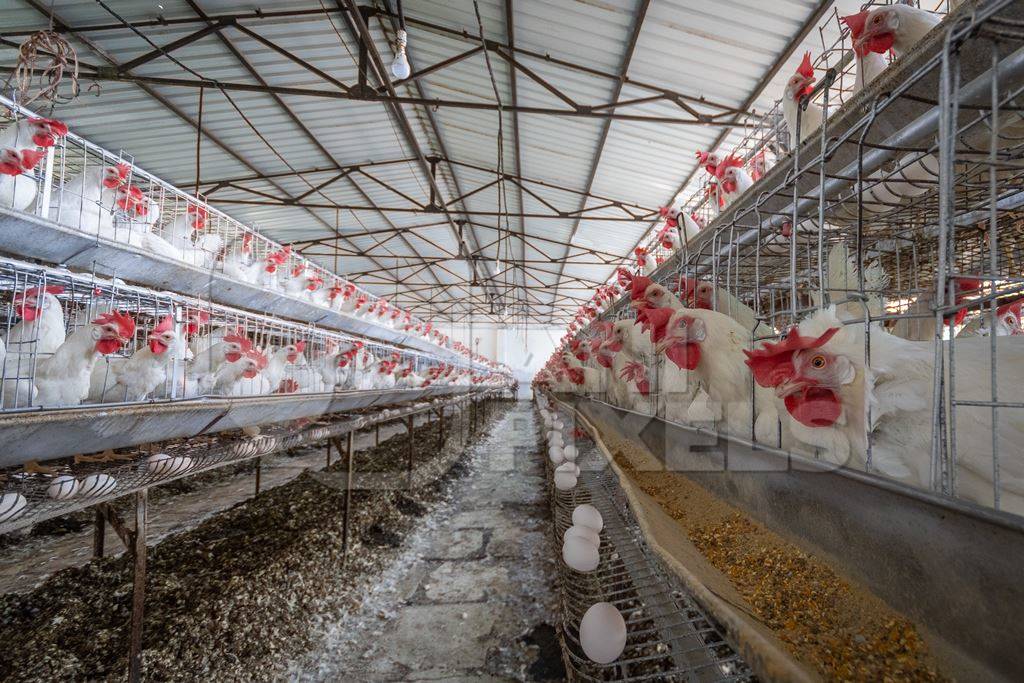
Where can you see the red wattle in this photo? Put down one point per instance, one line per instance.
(686, 356)
(157, 346)
(881, 43)
(108, 346)
(232, 357)
(814, 407)
(27, 313)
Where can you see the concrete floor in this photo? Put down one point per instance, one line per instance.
(472, 597)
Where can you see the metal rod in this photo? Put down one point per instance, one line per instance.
(408, 471)
(259, 467)
(139, 587)
(349, 453)
(99, 533)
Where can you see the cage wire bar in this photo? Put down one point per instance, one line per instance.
(133, 471)
(144, 212)
(670, 637)
(921, 173)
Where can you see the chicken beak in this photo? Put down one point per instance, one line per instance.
(790, 386)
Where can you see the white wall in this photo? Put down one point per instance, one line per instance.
(525, 351)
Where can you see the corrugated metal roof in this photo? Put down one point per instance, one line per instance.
(700, 48)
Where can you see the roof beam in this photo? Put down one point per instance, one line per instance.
(596, 111)
(627, 57)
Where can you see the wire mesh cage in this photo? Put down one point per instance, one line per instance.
(72, 339)
(52, 173)
(885, 252)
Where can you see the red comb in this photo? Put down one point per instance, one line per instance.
(771, 363)
(58, 128)
(240, 340)
(123, 170)
(165, 325)
(639, 286)
(125, 325)
(856, 23)
(300, 346)
(731, 161)
(806, 68)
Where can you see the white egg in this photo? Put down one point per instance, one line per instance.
(564, 481)
(63, 487)
(12, 506)
(558, 424)
(251, 430)
(584, 532)
(555, 438)
(96, 485)
(580, 554)
(569, 452)
(555, 454)
(587, 515)
(163, 464)
(603, 633)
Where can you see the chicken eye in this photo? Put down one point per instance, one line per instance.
(818, 362)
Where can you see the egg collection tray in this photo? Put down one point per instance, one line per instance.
(30, 498)
(669, 636)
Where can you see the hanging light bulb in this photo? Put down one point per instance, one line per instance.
(400, 67)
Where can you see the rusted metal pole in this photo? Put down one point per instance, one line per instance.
(99, 533)
(376, 434)
(139, 587)
(328, 454)
(408, 470)
(349, 453)
(440, 424)
(259, 467)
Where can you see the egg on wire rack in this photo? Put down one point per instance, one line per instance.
(63, 486)
(580, 554)
(570, 452)
(555, 455)
(96, 485)
(565, 481)
(587, 515)
(12, 506)
(583, 532)
(163, 464)
(569, 467)
(555, 439)
(603, 633)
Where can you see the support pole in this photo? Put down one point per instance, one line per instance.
(376, 434)
(328, 455)
(139, 587)
(259, 467)
(349, 453)
(99, 533)
(440, 437)
(408, 470)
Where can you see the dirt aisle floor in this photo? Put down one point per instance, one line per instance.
(471, 598)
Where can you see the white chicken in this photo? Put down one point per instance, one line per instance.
(669, 237)
(733, 179)
(628, 384)
(801, 84)
(63, 378)
(645, 261)
(17, 186)
(137, 377)
(869, 63)
(87, 201)
(239, 263)
(833, 401)
(40, 333)
(241, 377)
(277, 364)
(896, 27)
(32, 132)
(210, 353)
